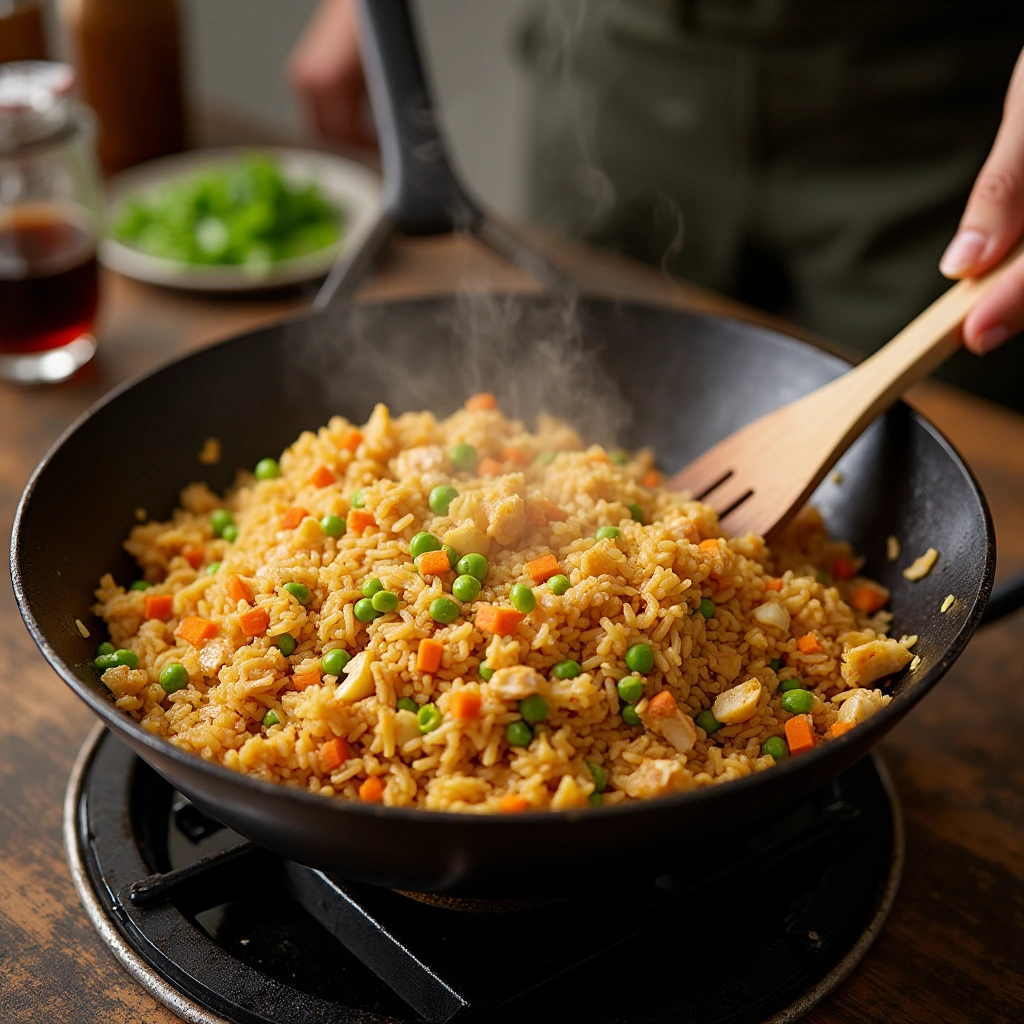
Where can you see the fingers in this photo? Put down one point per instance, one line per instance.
(1000, 314)
(994, 217)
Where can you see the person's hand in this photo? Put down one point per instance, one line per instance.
(327, 72)
(992, 223)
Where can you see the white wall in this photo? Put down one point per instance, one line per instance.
(237, 50)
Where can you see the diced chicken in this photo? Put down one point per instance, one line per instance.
(874, 660)
(568, 795)
(123, 681)
(427, 458)
(517, 682)
(506, 513)
(861, 706)
(663, 716)
(468, 538)
(656, 777)
(737, 704)
(358, 682)
(406, 727)
(604, 558)
(213, 655)
(772, 613)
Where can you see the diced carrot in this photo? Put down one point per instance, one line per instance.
(799, 734)
(322, 476)
(371, 791)
(481, 402)
(334, 753)
(711, 544)
(500, 621)
(651, 478)
(254, 622)
(535, 515)
(542, 569)
(773, 584)
(158, 606)
(303, 679)
(239, 590)
(516, 455)
(809, 644)
(488, 467)
(434, 563)
(839, 728)
(465, 705)
(662, 704)
(554, 513)
(352, 440)
(512, 804)
(293, 517)
(843, 568)
(359, 521)
(428, 656)
(195, 630)
(868, 599)
(193, 554)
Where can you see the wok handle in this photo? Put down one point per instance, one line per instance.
(1006, 598)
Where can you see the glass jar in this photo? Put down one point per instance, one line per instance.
(50, 221)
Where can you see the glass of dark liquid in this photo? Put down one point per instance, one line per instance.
(49, 225)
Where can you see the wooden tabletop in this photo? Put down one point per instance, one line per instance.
(953, 949)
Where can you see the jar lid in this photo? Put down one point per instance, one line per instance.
(36, 102)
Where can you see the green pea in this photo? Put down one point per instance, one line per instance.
(270, 718)
(173, 677)
(629, 715)
(594, 800)
(220, 519)
(797, 702)
(299, 591)
(104, 661)
(384, 601)
(267, 469)
(428, 718)
(567, 669)
(453, 555)
(440, 498)
(790, 684)
(775, 664)
(518, 734)
(545, 458)
(364, 610)
(122, 656)
(608, 533)
(485, 671)
(371, 586)
(707, 721)
(600, 776)
(534, 708)
(334, 661)
(230, 533)
(213, 568)
(333, 526)
(104, 648)
(776, 746)
(443, 609)
(423, 542)
(619, 458)
(358, 499)
(707, 608)
(140, 585)
(630, 689)
(463, 457)
(523, 598)
(636, 512)
(407, 704)
(287, 644)
(465, 588)
(559, 584)
(473, 565)
(640, 658)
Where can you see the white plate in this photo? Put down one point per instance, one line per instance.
(350, 185)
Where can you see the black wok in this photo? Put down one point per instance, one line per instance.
(687, 379)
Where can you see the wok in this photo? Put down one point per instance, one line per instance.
(685, 380)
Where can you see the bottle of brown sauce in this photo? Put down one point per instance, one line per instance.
(129, 59)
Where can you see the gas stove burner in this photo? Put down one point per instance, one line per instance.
(224, 932)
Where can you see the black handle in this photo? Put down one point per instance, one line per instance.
(1006, 598)
(422, 196)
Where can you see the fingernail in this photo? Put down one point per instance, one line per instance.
(990, 339)
(962, 253)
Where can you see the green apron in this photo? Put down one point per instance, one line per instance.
(811, 157)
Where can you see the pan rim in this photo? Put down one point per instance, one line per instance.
(821, 755)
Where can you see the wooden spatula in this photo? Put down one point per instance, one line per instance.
(758, 477)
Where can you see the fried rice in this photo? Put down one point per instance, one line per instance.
(734, 629)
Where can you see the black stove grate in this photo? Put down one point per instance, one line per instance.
(222, 930)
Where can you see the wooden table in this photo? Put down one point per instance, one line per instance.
(953, 949)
